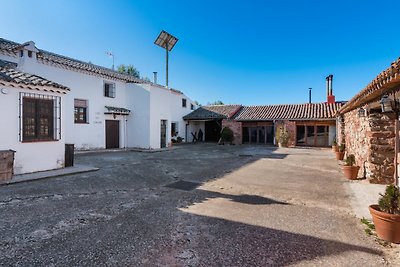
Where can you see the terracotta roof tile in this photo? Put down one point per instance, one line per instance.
(213, 112)
(313, 111)
(10, 75)
(52, 58)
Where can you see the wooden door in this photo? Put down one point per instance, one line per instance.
(112, 134)
(163, 133)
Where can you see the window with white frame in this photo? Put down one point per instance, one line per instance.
(40, 117)
(109, 89)
(81, 111)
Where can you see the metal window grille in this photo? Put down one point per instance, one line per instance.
(39, 117)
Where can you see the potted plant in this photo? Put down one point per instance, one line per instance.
(335, 147)
(340, 153)
(349, 169)
(386, 215)
(283, 138)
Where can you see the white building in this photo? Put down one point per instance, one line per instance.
(32, 119)
(104, 108)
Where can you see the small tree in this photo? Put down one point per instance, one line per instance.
(390, 201)
(227, 135)
(218, 102)
(130, 70)
(350, 160)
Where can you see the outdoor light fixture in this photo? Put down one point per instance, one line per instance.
(361, 112)
(166, 41)
(386, 104)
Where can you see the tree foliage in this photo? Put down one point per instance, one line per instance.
(218, 102)
(130, 70)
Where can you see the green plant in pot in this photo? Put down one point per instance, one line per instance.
(283, 138)
(335, 147)
(349, 169)
(340, 153)
(386, 215)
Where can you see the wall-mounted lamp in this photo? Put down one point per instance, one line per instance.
(362, 113)
(387, 104)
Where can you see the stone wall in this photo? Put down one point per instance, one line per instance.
(236, 127)
(371, 139)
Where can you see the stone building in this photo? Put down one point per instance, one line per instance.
(369, 133)
(310, 124)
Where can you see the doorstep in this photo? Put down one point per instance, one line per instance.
(20, 178)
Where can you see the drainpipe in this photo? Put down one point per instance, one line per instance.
(186, 126)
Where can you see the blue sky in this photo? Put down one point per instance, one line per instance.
(248, 52)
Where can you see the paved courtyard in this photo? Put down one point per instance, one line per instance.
(245, 206)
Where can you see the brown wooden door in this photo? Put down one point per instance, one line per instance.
(112, 134)
(163, 136)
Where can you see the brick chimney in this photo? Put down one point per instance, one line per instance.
(330, 98)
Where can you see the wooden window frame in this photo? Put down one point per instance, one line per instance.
(109, 90)
(36, 117)
(81, 111)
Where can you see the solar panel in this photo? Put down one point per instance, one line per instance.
(166, 40)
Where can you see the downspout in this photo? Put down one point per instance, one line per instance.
(186, 126)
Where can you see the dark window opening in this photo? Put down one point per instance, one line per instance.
(38, 119)
(29, 53)
(21, 53)
(174, 129)
(109, 90)
(191, 106)
(184, 102)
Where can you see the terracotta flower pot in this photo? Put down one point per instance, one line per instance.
(335, 148)
(351, 172)
(387, 225)
(339, 155)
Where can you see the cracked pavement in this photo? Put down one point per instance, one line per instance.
(254, 206)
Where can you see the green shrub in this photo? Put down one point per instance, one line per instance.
(389, 202)
(283, 137)
(334, 142)
(227, 135)
(342, 148)
(350, 160)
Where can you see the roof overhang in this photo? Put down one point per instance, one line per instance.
(116, 111)
(35, 87)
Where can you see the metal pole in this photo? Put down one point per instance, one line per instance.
(166, 49)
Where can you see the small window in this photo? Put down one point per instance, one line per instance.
(184, 102)
(80, 111)
(191, 106)
(21, 53)
(29, 53)
(109, 90)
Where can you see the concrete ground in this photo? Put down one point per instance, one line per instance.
(246, 206)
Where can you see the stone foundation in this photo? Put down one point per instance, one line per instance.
(371, 139)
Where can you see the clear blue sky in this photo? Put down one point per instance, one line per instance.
(248, 52)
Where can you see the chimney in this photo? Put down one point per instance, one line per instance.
(330, 96)
(309, 95)
(155, 76)
(327, 86)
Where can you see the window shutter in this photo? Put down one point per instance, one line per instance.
(79, 103)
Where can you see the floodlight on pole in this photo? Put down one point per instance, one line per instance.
(166, 41)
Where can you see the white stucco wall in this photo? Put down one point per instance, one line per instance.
(195, 126)
(29, 156)
(138, 99)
